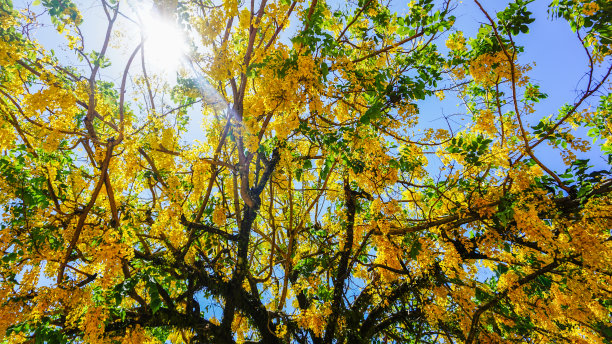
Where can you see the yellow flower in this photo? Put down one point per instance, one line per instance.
(218, 216)
(456, 42)
(590, 8)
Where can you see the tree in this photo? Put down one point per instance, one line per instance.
(314, 207)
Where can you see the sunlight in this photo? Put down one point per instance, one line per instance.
(165, 44)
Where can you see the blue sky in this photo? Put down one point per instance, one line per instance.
(559, 66)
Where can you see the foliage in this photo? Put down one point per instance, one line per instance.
(312, 206)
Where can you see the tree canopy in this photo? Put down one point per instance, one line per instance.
(317, 202)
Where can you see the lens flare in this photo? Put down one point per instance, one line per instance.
(164, 45)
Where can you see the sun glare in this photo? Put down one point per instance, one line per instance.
(165, 44)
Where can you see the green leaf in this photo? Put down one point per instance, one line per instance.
(156, 301)
(324, 70)
(326, 167)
